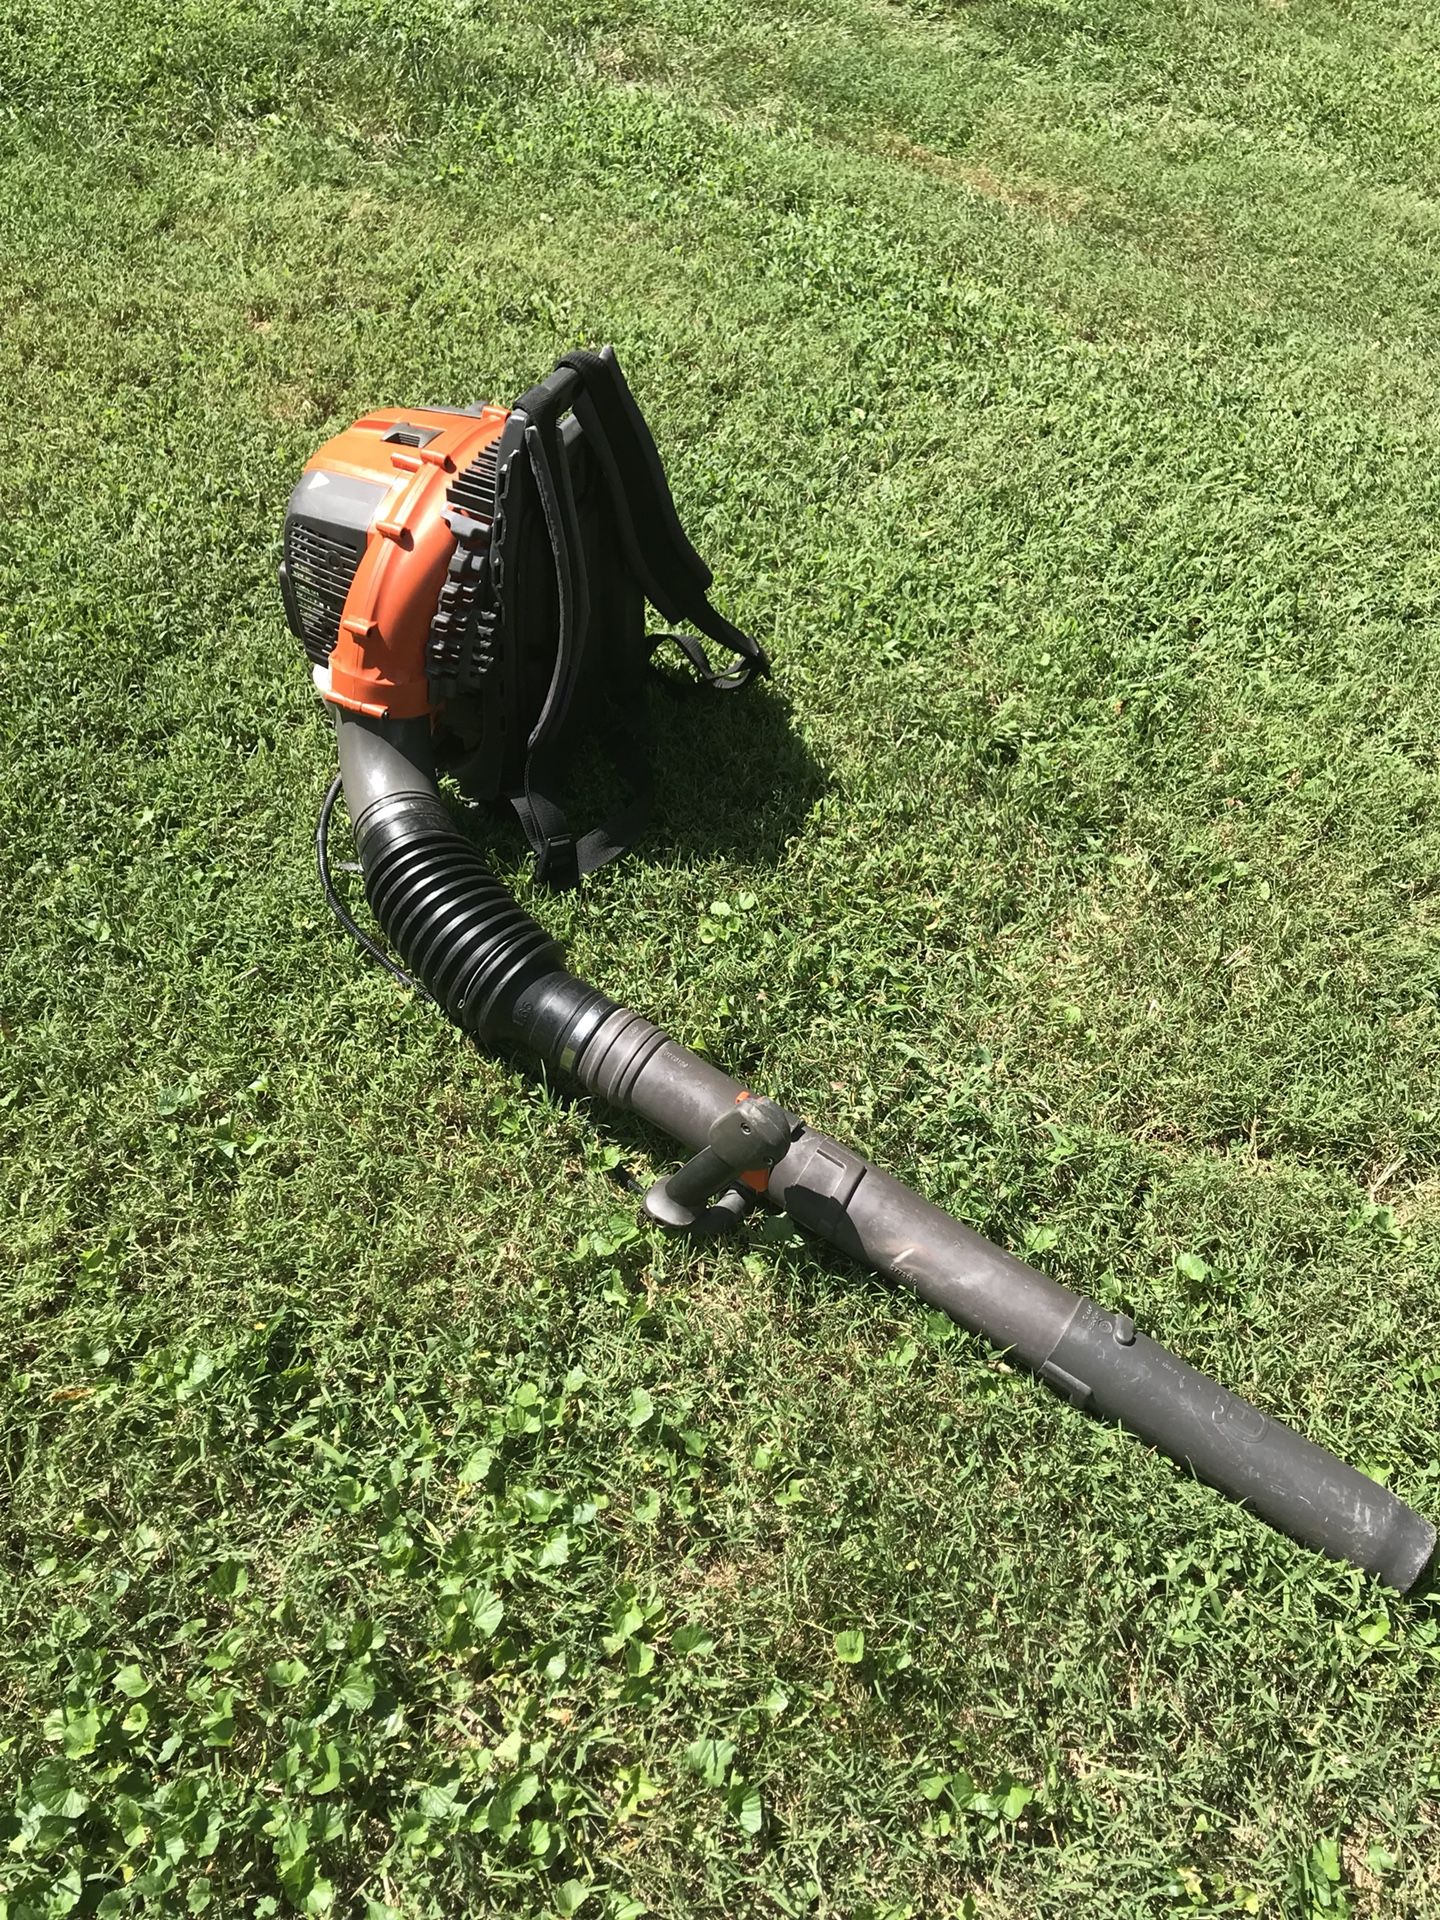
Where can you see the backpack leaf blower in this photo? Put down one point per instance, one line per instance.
(469, 586)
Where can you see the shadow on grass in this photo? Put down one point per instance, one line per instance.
(732, 777)
(732, 780)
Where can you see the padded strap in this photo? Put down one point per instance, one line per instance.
(552, 483)
(668, 571)
(560, 859)
(673, 575)
(545, 823)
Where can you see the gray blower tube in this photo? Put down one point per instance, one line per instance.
(498, 975)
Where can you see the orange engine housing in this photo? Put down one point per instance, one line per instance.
(366, 548)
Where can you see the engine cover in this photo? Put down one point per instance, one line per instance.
(371, 529)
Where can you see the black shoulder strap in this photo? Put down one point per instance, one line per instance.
(672, 573)
(539, 409)
(562, 860)
(667, 570)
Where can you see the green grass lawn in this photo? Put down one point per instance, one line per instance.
(392, 1528)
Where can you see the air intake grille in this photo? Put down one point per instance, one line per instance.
(320, 569)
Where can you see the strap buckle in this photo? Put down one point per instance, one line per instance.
(557, 864)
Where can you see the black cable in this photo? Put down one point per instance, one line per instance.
(337, 905)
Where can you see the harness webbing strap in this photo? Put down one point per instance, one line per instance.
(664, 567)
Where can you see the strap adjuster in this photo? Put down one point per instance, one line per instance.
(557, 865)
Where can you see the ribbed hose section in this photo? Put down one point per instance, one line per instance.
(457, 928)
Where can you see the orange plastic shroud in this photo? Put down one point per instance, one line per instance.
(377, 665)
